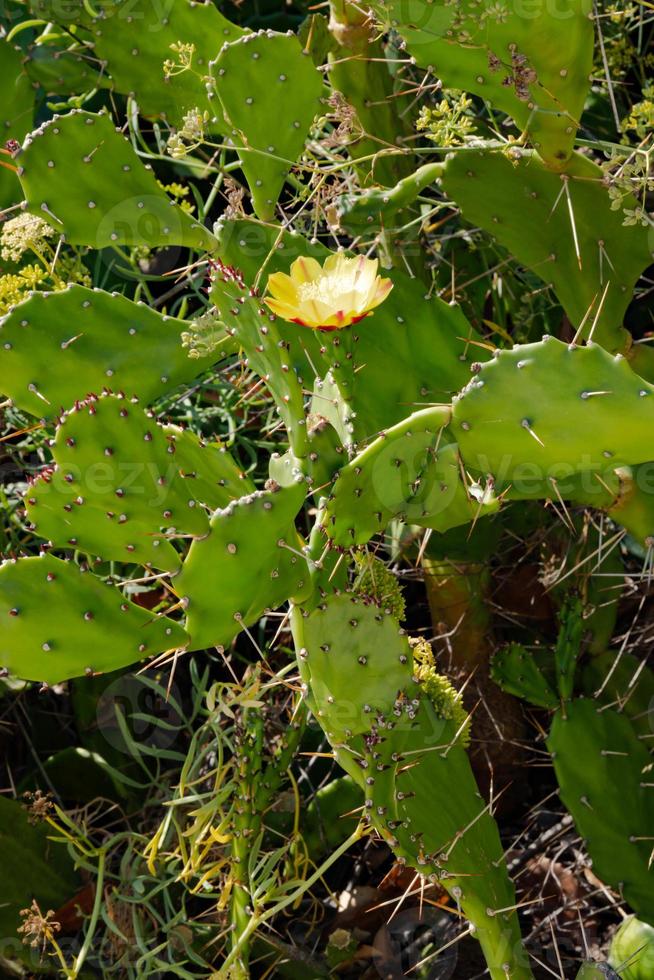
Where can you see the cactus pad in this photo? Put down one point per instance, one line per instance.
(524, 673)
(388, 734)
(254, 329)
(533, 64)
(603, 771)
(84, 178)
(248, 563)
(270, 91)
(632, 950)
(60, 622)
(562, 409)
(562, 227)
(114, 459)
(134, 43)
(356, 661)
(412, 471)
(61, 346)
(52, 505)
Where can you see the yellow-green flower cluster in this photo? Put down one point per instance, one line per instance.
(444, 697)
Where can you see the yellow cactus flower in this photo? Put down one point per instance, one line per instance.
(329, 296)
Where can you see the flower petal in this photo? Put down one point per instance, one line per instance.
(305, 269)
(282, 287)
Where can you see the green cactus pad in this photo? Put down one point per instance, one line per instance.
(422, 796)
(532, 61)
(84, 178)
(61, 71)
(16, 115)
(407, 758)
(357, 667)
(524, 673)
(559, 408)
(604, 770)
(529, 211)
(51, 505)
(632, 950)
(114, 459)
(60, 622)
(621, 681)
(134, 43)
(132, 40)
(213, 476)
(412, 471)
(252, 326)
(58, 347)
(356, 661)
(248, 563)
(270, 93)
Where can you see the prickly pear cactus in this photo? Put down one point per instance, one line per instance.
(269, 90)
(533, 64)
(112, 200)
(89, 627)
(602, 768)
(64, 346)
(406, 751)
